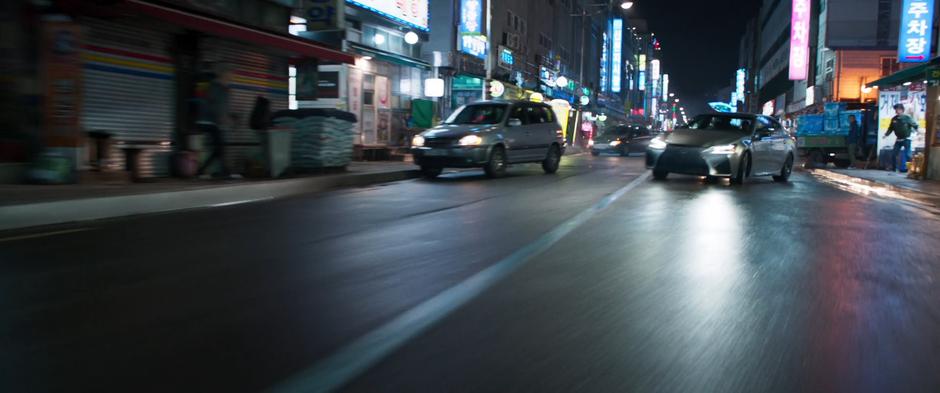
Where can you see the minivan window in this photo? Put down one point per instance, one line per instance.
(478, 114)
(519, 112)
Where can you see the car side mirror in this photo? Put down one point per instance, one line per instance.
(514, 122)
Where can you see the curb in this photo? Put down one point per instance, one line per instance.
(69, 211)
(898, 187)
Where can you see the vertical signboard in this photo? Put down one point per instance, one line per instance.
(914, 40)
(355, 100)
(616, 55)
(654, 69)
(61, 72)
(605, 58)
(799, 40)
(665, 87)
(470, 38)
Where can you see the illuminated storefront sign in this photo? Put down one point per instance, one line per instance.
(605, 47)
(471, 40)
(914, 41)
(413, 13)
(654, 68)
(642, 80)
(740, 80)
(665, 87)
(506, 59)
(616, 56)
(799, 40)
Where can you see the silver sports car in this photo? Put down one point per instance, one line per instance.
(733, 145)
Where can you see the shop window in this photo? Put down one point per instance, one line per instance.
(889, 65)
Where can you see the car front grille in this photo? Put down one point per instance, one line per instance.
(683, 159)
(439, 142)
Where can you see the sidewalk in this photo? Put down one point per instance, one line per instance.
(893, 179)
(23, 206)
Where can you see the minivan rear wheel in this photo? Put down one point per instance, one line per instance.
(552, 160)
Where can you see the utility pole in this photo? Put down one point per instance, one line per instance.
(489, 46)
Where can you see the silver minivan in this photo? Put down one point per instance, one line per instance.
(492, 135)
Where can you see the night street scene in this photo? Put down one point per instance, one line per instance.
(669, 196)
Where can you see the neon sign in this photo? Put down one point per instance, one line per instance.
(616, 61)
(914, 40)
(799, 40)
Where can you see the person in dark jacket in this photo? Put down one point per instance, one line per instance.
(853, 139)
(213, 116)
(902, 126)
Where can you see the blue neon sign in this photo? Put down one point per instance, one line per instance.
(505, 56)
(617, 52)
(914, 40)
(470, 40)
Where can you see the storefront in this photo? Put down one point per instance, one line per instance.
(918, 89)
(137, 71)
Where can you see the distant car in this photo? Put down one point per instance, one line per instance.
(621, 140)
(492, 135)
(733, 145)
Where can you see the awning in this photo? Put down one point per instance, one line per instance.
(913, 74)
(240, 32)
(388, 56)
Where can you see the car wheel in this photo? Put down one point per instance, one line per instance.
(552, 160)
(660, 175)
(595, 153)
(785, 172)
(842, 163)
(431, 172)
(496, 166)
(744, 170)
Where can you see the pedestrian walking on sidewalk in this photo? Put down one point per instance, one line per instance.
(214, 116)
(902, 126)
(853, 139)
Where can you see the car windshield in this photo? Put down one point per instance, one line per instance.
(478, 114)
(721, 123)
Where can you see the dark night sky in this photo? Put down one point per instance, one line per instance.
(700, 40)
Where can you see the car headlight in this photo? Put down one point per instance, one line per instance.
(722, 149)
(417, 141)
(614, 143)
(590, 142)
(471, 140)
(658, 144)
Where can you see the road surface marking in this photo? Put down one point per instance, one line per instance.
(357, 357)
(241, 202)
(44, 234)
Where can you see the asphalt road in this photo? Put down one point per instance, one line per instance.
(594, 280)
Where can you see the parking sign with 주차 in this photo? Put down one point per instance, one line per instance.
(799, 39)
(914, 40)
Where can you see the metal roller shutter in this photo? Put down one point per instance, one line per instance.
(256, 74)
(129, 89)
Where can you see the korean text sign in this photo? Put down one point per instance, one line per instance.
(914, 40)
(799, 40)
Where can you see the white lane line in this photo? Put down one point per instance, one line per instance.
(44, 234)
(357, 357)
(241, 202)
